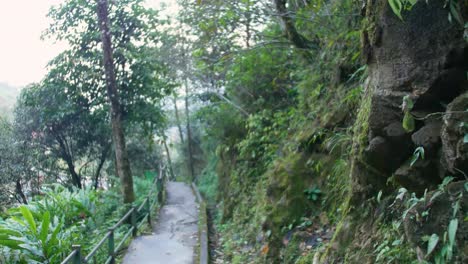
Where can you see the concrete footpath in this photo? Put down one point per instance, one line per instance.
(174, 235)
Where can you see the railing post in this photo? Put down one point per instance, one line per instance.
(148, 208)
(134, 221)
(77, 257)
(111, 244)
(159, 188)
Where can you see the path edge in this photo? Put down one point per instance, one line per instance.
(202, 227)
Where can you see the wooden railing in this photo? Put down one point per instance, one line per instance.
(132, 215)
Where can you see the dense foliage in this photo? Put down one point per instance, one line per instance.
(62, 123)
(44, 230)
(320, 131)
(282, 105)
(56, 148)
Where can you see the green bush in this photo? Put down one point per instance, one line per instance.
(44, 230)
(34, 237)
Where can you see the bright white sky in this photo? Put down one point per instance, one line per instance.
(23, 56)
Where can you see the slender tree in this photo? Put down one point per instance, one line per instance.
(169, 160)
(187, 113)
(177, 116)
(121, 155)
(102, 160)
(189, 132)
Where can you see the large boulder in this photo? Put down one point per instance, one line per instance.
(423, 175)
(423, 57)
(454, 130)
(433, 216)
(428, 137)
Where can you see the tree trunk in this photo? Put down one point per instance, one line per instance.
(248, 26)
(67, 156)
(169, 160)
(102, 160)
(121, 155)
(20, 193)
(76, 179)
(189, 132)
(179, 126)
(187, 114)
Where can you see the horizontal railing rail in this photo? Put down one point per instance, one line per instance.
(143, 211)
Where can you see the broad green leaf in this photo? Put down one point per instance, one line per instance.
(408, 122)
(29, 218)
(413, 160)
(13, 244)
(421, 152)
(10, 232)
(396, 7)
(449, 252)
(45, 227)
(401, 193)
(444, 254)
(456, 208)
(452, 231)
(435, 195)
(446, 181)
(465, 139)
(53, 237)
(408, 103)
(379, 197)
(18, 220)
(455, 12)
(432, 243)
(32, 249)
(21, 240)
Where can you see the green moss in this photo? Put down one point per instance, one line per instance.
(373, 13)
(262, 201)
(343, 233)
(287, 182)
(361, 127)
(208, 180)
(309, 258)
(292, 251)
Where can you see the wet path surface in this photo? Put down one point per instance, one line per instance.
(174, 235)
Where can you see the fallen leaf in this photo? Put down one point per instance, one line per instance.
(265, 249)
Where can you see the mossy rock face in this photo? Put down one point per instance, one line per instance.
(286, 202)
(335, 117)
(421, 176)
(285, 192)
(225, 169)
(454, 132)
(401, 62)
(440, 213)
(292, 250)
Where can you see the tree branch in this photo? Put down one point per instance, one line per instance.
(290, 30)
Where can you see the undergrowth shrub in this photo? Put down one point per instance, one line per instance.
(44, 230)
